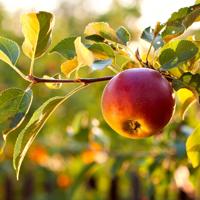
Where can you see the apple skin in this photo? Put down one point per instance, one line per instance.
(138, 103)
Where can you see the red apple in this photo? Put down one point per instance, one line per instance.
(138, 103)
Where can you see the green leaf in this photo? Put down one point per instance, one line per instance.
(168, 59)
(180, 21)
(9, 51)
(123, 35)
(14, 105)
(148, 35)
(37, 121)
(96, 38)
(66, 48)
(37, 30)
(193, 147)
(177, 52)
(186, 50)
(101, 29)
(101, 64)
(102, 48)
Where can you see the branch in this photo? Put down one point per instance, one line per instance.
(86, 81)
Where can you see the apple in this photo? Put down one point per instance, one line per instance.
(138, 102)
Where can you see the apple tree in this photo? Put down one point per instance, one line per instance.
(173, 56)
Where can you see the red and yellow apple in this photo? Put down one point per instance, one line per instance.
(138, 103)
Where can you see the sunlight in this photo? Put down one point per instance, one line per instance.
(151, 11)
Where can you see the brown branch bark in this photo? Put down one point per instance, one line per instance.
(86, 81)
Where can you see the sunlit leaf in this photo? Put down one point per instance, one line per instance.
(37, 121)
(14, 105)
(186, 98)
(9, 51)
(177, 52)
(54, 86)
(84, 56)
(65, 48)
(121, 60)
(180, 21)
(123, 35)
(101, 64)
(193, 147)
(37, 30)
(102, 29)
(148, 35)
(69, 66)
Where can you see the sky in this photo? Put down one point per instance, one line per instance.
(151, 10)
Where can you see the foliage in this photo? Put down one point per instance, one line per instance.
(101, 48)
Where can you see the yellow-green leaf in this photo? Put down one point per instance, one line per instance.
(186, 99)
(35, 124)
(69, 66)
(193, 147)
(37, 30)
(14, 105)
(101, 29)
(54, 86)
(84, 56)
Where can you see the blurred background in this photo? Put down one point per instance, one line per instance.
(77, 156)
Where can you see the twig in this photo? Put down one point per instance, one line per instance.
(86, 81)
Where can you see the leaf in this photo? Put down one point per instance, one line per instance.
(189, 81)
(186, 98)
(37, 30)
(96, 38)
(148, 35)
(14, 105)
(84, 56)
(123, 35)
(101, 64)
(193, 147)
(66, 48)
(102, 48)
(121, 60)
(177, 52)
(37, 121)
(69, 66)
(180, 21)
(101, 29)
(54, 86)
(9, 51)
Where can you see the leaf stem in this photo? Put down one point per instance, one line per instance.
(31, 65)
(20, 73)
(149, 50)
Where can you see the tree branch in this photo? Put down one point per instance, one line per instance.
(86, 81)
